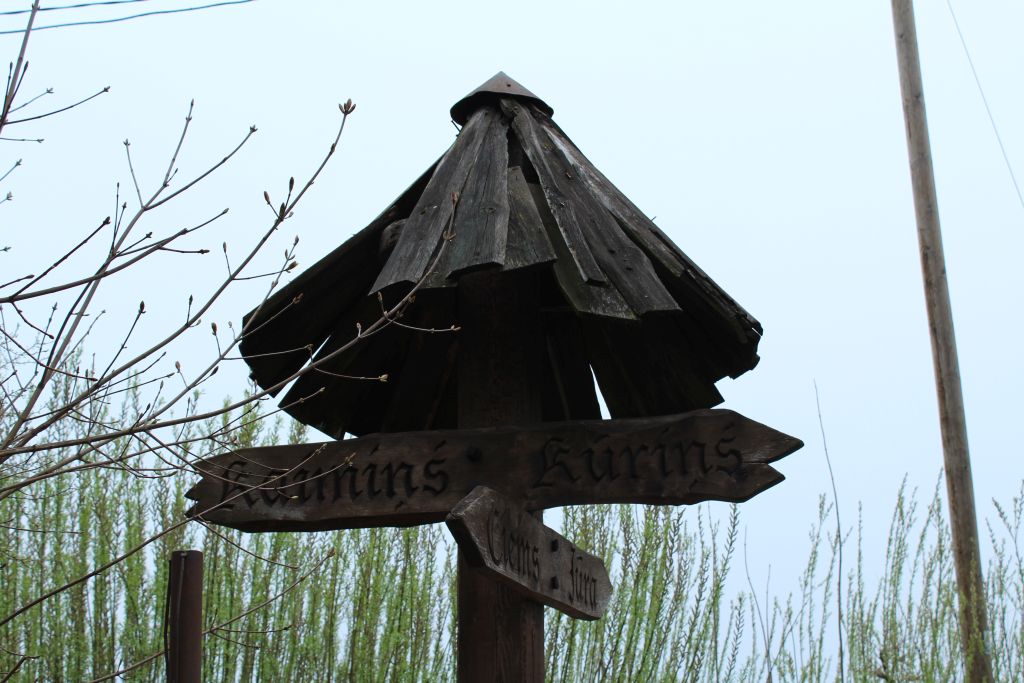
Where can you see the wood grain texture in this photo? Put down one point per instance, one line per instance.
(569, 384)
(283, 333)
(421, 234)
(528, 199)
(648, 369)
(421, 380)
(481, 217)
(577, 210)
(967, 557)
(333, 398)
(735, 331)
(528, 242)
(500, 363)
(513, 548)
(418, 477)
(562, 207)
(345, 396)
(595, 299)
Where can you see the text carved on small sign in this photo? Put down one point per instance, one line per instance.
(503, 540)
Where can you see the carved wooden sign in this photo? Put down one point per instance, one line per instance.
(418, 477)
(506, 542)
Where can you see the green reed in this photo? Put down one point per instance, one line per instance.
(378, 604)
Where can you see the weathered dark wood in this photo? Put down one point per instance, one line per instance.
(498, 86)
(515, 549)
(664, 352)
(643, 230)
(416, 478)
(609, 262)
(389, 238)
(422, 378)
(569, 384)
(528, 242)
(624, 265)
(526, 198)
(334, 398)
(595, 299)
(500, 363)
(481, 217)
(184, 616)
(283, 332)
(734, 331)
(422, 231)
(564, 211)
(500, 349)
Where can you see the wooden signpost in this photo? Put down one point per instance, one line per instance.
(547, 277)
(419, 477)
(507, 543)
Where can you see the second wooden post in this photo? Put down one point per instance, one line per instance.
(500, 358)
(184, 615)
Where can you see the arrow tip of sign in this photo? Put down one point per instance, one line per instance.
(791, 445)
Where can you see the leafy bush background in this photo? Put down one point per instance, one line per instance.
(378, 604)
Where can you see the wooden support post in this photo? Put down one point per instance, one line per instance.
(963, 520)
(500, 635)
(184, 627)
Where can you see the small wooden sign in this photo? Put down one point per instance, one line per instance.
(512, 547)
(418, 477)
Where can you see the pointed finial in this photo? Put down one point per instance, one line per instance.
(500, 85)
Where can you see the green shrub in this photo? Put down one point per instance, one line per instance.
(378, 604)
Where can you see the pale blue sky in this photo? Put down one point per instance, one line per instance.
(766, 139)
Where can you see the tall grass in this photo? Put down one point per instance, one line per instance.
(379, 605)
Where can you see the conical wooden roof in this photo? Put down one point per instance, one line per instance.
(620, 298)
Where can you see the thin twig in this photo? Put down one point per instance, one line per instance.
(839, 535)
(14, 297)
(61, 110)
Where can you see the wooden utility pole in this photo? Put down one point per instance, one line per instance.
(960, 489)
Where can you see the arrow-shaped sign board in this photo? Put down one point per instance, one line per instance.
(503, 540)
(418, 477)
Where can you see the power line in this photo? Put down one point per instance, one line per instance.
(131, 16)
(95, 3)
(988, 109)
